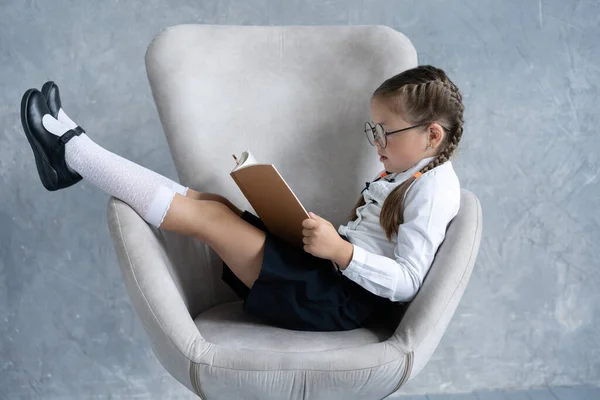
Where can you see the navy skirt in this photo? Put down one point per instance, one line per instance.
(299, 291)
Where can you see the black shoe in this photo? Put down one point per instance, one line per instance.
(48, 149)
(52, 95)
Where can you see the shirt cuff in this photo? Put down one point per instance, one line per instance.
(359, 258)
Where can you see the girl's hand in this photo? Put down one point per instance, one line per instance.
(321, 239)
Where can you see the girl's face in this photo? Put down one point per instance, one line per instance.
(404, 149)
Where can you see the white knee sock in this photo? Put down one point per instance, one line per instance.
(147, 192)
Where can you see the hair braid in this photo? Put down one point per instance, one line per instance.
(424, 94)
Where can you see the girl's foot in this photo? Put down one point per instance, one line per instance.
(48, 147)
(52, 95)
(62, 164)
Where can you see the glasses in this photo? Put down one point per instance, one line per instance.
(378, 133)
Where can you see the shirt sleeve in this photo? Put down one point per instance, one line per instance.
(428, 208)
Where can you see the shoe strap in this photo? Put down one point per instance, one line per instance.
(68, 135)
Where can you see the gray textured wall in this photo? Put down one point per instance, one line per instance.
(529, 71)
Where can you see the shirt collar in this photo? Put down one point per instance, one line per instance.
(402, 176)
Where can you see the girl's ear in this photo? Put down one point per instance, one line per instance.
(436, 134)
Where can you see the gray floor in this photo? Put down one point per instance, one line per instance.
(530, 76)
(585, 392)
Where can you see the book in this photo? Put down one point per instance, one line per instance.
(271, 197)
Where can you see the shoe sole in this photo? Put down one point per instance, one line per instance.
(48, 175)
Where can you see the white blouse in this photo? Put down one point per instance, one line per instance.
(396, 269)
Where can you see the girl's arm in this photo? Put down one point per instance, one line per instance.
(428, 208)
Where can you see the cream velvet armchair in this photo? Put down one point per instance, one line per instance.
(297, 96)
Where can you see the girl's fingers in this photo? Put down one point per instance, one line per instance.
(309, 223)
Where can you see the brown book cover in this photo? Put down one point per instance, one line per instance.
(271, 197)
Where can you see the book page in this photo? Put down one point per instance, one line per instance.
(245, 160)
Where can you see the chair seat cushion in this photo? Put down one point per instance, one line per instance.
(227, 324)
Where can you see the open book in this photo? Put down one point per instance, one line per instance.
(271, 197)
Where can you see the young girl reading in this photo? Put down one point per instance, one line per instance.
(382, 254)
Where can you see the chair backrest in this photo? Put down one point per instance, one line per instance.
(296, 96)
(426, 318)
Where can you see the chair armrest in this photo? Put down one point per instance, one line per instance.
(428, 315)
(157, 299)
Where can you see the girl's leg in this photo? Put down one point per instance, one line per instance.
(167, 204)
(239, 244)
(216, 197)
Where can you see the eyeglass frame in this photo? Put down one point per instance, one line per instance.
(386, 134)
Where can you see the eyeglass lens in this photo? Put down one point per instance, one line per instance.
(375, 133)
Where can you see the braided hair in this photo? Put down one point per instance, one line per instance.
(424, 94)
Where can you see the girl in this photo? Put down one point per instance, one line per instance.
(382, 254)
